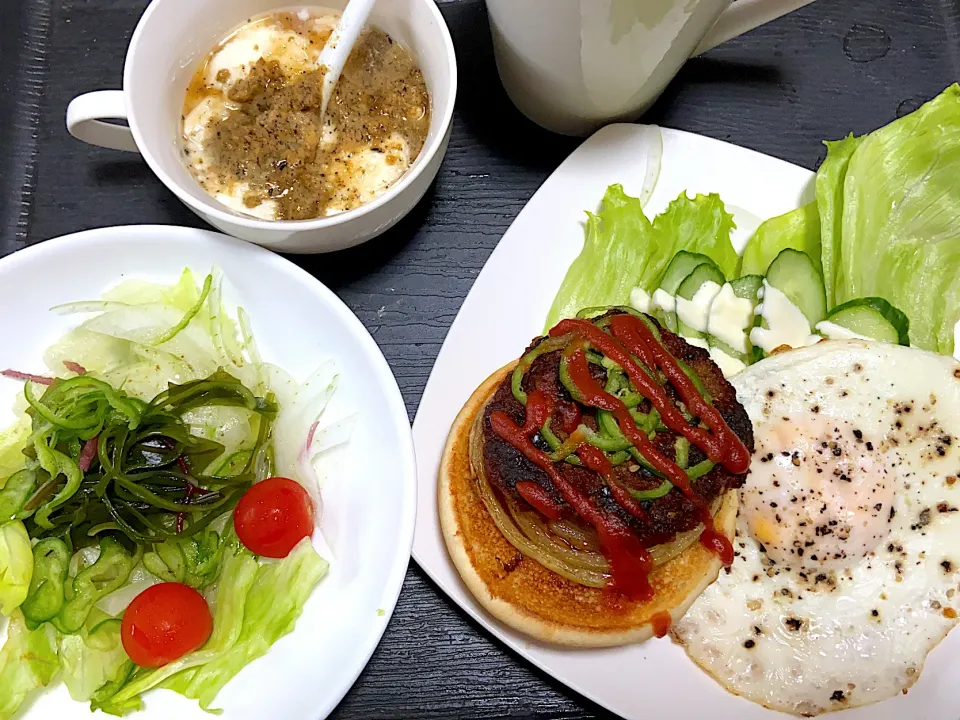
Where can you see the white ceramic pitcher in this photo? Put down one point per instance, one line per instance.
(574, 65)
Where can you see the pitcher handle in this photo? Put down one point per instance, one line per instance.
(744, 15)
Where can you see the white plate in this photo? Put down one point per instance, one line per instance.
(369, 498)
(506, 309)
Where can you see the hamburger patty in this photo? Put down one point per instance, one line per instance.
(504, 466)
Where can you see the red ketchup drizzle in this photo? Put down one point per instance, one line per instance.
(629, 561)
(569, 416)
(594, 459)
(720, 448)
(593, 394)
(539, 498)
(661, 623)
(639, 340)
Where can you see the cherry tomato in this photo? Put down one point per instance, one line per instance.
(164, 623)
(273, 516)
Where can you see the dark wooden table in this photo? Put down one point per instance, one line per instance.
(834, 67)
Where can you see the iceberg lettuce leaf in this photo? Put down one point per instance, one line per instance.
(829, 187)
(617, 247)
(28, 662)
(256, 606)
(798, 229)
(92, 658)
(16, 565)
(899, 235)
(622, 249)
(697, 225)
(272, 606)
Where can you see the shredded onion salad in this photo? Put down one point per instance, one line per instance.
(129, 456)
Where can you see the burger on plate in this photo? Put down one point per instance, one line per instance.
(587, 491)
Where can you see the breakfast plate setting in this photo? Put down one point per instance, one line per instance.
(505, 288)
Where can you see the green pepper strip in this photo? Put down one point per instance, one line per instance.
(565, 379)
(682, 447)
(603, 441)
(55, 395)
(615, 380)
(191, 314)
(695, 379)
(648, 422)
(51, 562)
(598, 359)
(548, 345)
(618, 458)
(657, 492)
(611, 438)
(49, 415)
(700, 469)
(56, 463)
(555, 444)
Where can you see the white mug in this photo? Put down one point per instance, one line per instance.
(174, 36)
(574, 65)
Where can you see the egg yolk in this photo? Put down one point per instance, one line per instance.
(819, 495)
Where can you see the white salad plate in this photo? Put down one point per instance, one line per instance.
(507, 308)
(369, 492)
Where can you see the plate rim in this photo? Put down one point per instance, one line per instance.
(395, 405)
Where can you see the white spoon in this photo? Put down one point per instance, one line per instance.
(337, 49)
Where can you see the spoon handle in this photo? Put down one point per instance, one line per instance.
(337, 49)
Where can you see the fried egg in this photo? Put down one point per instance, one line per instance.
(848, 538)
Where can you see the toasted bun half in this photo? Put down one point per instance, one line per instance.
(528, 597)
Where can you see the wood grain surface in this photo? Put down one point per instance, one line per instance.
(834, 67)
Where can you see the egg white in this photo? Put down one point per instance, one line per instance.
(848, 538)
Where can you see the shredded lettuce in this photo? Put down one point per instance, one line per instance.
(92, 658)
(890, 203)
(616, 252)
(144, 335)
(28, 661)
(829, 187)
(12, 441)
(273, 604)
(623, 249)
(798, 229)
(256, 605)
(698, 225)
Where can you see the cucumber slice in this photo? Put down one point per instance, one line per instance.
(873, 317)
(747, 287)
(700, 275)
(722, 346)
(683, 264)
(793, 273)
(691, 284)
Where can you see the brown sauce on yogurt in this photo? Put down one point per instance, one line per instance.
(253, 130)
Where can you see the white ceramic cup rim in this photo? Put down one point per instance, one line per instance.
(213, 208)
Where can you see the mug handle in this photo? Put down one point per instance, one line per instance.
(744, 15)
(85, 120)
